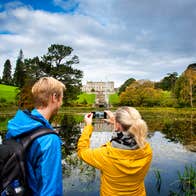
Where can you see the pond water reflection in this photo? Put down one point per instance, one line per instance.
(171, 152)
(172, 137)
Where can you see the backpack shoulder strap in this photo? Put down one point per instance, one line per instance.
(27, 139)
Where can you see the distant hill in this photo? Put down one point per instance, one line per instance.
(8, 93)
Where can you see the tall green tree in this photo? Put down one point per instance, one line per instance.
(125, 84)
(35, 68)
(168, 82)
(190, 73)
(57, 63)
(181, 91)
(60, 61)
(7, 73)
(19, 74)
(185, 87)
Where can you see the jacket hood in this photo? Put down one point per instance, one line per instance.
(22, 123)
(130, 161)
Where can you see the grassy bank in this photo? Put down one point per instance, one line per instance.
(86, 99)
(8, 93)
(84, 103)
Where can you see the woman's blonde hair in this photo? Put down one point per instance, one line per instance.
(131, 121)
(44, 88)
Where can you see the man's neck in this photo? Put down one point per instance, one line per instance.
(45, 112)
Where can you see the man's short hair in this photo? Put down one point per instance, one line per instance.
(44, 88)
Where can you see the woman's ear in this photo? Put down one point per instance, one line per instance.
(118, 127)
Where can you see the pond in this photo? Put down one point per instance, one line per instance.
(172, 136)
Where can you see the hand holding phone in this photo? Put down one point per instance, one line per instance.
(88, 118)
(110, 117)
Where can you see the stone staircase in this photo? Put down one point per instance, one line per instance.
(100, 99)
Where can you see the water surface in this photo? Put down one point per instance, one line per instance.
(172, 136)
(171, 152)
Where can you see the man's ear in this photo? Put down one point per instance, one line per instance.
(53, 97)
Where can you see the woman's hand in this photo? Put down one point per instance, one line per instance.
(111, 118)
(88, 118)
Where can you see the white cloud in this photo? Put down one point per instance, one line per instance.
(114, 40)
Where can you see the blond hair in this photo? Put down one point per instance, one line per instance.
(131, 121)
(44, 88)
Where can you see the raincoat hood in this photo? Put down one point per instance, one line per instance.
(22, 123)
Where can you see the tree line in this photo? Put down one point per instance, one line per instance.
(172, 91)
(57, 62)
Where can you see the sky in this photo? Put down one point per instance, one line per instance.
(114, 39)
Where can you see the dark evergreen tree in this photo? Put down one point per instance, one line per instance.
(20, 72)
(7, 73)
(59, 62)
(125, 84)
(168, 82)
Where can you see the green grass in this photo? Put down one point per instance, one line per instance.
(113, 98)
(86, 98)
(8, 93)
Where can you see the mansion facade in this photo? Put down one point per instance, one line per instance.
(97, 87)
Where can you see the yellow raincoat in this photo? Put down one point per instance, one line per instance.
(122, 171)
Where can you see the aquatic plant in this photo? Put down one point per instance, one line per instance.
(158, 179)
(186, 182)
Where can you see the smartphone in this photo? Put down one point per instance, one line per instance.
(101, 115)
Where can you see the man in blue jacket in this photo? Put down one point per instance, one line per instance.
(44, 171)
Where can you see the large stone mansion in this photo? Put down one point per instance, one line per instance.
(97, 87)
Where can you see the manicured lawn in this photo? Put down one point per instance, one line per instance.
(86, 98)
(90, 98)
(114, 99)
(8, 93)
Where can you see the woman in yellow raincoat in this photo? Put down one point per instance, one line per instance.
(125, 160)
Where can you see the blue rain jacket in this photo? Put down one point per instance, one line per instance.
(44, 171)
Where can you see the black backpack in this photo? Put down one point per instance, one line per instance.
(12, 156)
